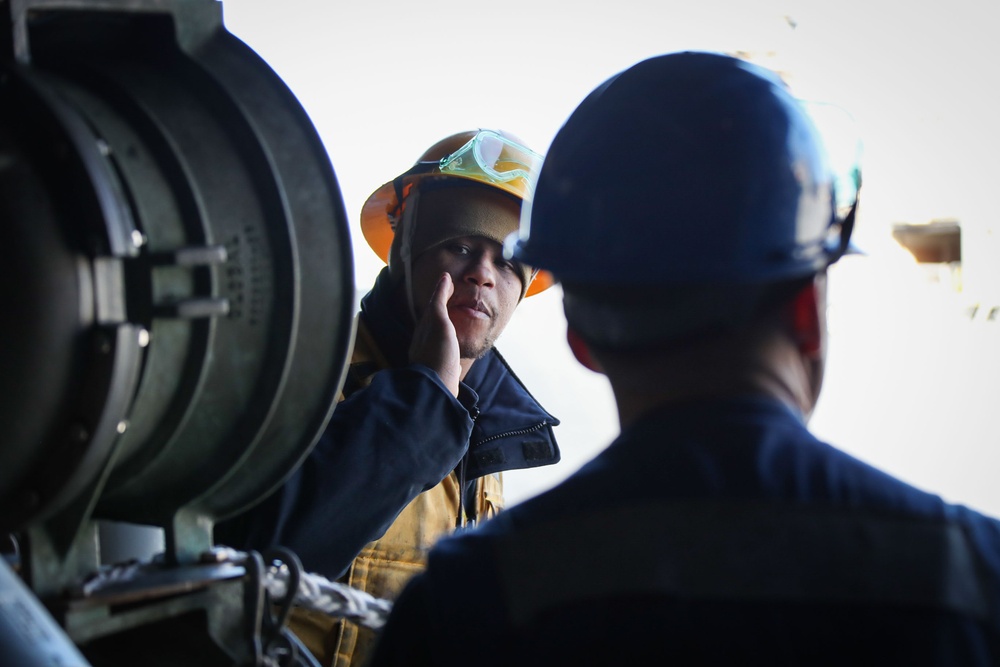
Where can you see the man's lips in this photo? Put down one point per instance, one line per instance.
(471, 307)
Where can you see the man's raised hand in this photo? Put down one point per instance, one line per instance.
(435, 343)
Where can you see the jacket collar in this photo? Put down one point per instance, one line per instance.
(512, 430)
(391, 330)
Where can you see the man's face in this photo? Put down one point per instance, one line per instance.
(487, 286)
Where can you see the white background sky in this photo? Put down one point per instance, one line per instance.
(913, 385)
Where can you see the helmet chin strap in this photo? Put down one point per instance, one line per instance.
(406, 226)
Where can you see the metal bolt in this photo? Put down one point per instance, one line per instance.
(143, 337)
(122, 426)
(138, 238)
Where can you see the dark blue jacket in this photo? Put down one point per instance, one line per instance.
(712, 533)
(389, 441)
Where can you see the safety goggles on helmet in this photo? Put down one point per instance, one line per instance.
(491, 157)
(488, 157)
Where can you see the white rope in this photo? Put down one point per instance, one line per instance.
(315, 592)
(318, 593)
(120, 573)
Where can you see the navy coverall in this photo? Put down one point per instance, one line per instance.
(712, 532)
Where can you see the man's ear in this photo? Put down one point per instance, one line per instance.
(807, 320)
(581, 351)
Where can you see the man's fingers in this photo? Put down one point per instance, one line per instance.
(434, 341)
(442, 292)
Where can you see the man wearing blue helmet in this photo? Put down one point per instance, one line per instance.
(688, 208)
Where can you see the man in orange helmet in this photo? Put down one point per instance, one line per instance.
(431, 413)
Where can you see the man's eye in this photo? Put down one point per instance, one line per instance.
(459, 249)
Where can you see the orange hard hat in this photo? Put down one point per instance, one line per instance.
(493, 158)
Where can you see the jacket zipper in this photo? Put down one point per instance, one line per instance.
(460, 519)
(520, 431)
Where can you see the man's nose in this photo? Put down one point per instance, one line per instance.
(481, 271)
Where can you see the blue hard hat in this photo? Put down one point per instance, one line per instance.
(687, 168)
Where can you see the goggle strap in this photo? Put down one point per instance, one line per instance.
(397, 186)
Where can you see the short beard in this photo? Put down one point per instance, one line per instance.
(476, 352)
